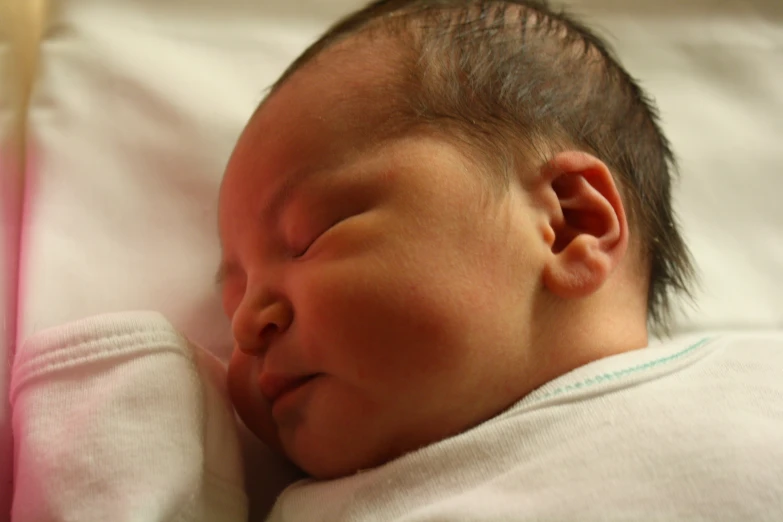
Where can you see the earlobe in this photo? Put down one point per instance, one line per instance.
(588, 226)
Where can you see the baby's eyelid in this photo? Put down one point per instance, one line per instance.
(300, 252)
(331, 210)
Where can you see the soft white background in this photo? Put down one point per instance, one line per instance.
(138, 103)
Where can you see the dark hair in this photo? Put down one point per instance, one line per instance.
(516, 74)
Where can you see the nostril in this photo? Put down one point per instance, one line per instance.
(267, 332)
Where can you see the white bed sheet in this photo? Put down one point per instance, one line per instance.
(139, 102)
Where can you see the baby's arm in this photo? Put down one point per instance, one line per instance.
(118, 417)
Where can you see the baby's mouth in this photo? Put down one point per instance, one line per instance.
(274, 386)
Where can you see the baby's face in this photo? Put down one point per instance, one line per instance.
(379, 292)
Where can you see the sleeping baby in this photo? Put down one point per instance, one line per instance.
(447, 235)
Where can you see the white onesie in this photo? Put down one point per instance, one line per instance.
(116, 419)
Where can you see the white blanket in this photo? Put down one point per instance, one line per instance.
(118, 418)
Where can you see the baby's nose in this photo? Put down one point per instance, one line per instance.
(255, 328)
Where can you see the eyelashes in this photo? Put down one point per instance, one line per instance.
(317, 209)
(306, 221)
(301, 251)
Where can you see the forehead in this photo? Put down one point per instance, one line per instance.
(341, 101)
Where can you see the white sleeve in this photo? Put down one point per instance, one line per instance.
(119, 418)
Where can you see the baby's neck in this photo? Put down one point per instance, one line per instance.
(576, 333)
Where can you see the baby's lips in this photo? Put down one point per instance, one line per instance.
(273, 385)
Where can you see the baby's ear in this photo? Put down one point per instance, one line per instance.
(587, 230)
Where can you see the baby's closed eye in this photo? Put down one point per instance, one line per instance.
(308, 220)
(303, 242)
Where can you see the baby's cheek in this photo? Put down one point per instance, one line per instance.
(392, 322)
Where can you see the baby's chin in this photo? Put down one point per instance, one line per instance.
(321, 464)
(312, 452)
(324, 445)
(330, 455)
